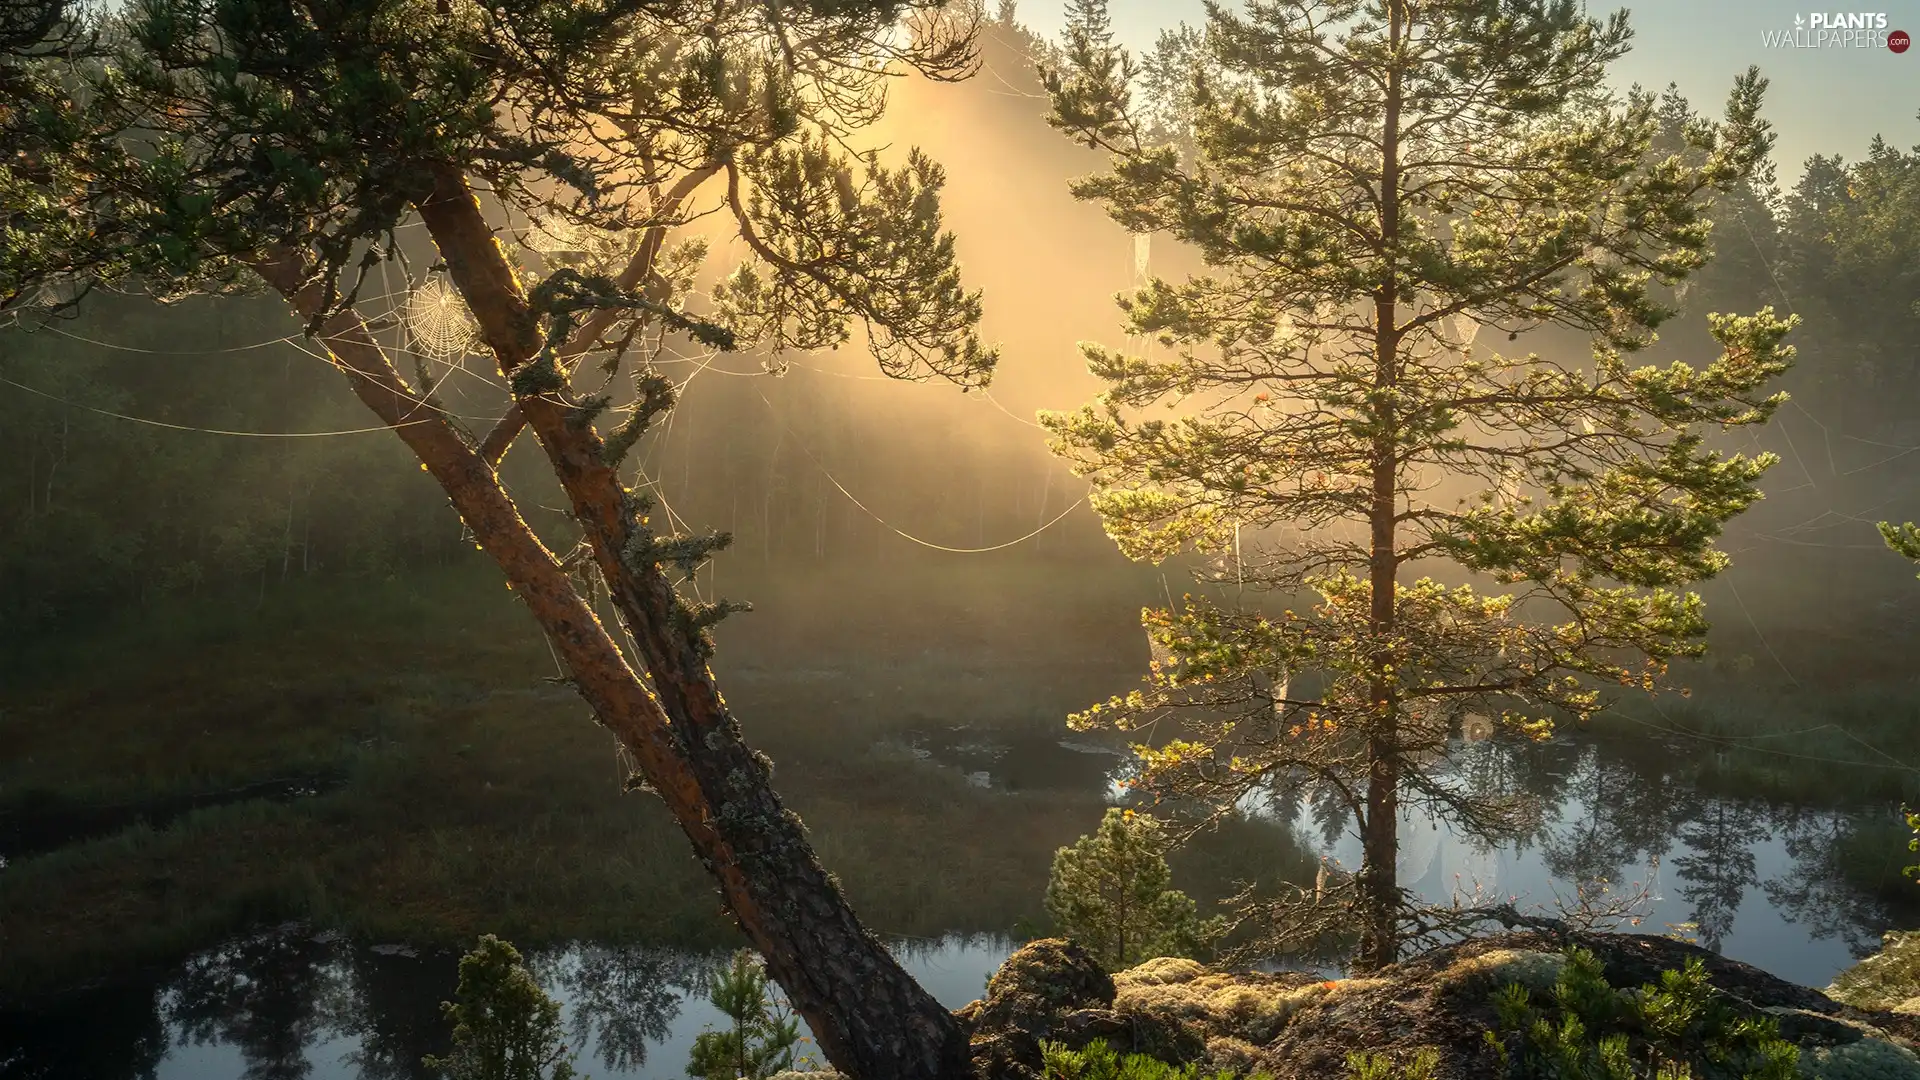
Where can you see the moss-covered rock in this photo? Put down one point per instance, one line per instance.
(1048, 977)
(1250, 1008)
(1439, 1006)
(1531, 968)
(1865, 1059)
(1028, 1002)
(1889, 979)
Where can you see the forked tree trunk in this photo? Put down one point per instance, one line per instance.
(870, 1017)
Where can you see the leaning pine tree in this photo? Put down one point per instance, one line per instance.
(556, 156)
(1369, 186)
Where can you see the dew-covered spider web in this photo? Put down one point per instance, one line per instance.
(439, 321)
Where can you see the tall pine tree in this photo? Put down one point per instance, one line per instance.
(1386, 193)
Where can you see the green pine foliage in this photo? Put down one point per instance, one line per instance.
(1385, 196)
(505, 1027)
(1098, 1061)
(1903, 539)
(1373, 1065)
(1111, 892)
(1679, 1029)
(763, 1037)
(1912, 819)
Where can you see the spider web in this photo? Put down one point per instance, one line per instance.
(438, 319)
(554, 235)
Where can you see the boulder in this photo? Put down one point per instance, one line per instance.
(1053, 990)
(1889, 979)
(1299, 1027)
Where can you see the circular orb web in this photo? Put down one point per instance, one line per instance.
(439, 321)
(1476, 727)
(553, 235)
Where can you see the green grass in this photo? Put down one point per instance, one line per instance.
(1098, 1061)
(1814, 717)
(476, 797)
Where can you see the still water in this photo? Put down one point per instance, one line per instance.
(1755, 880)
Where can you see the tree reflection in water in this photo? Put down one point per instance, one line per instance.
(394, 1012)
(1718, 867)
(269, 996)
(1614, 814)
(621, 999)
(1817, 888)
(1609, 810)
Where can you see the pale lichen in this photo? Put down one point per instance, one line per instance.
(1537, 971)
(1888, 978)
(1224, 1006)
(1161, 971)
(1867, 1059)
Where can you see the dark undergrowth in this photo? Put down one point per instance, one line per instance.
(471, 794)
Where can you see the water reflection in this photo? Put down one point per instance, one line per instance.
(393, 1017)
(1762, 882)
(624, 1000)
(1718, 868)
(109, 1034)
(1815, 884)
(269, 997)
(291, 1005)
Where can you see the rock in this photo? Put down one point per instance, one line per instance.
(1040, 984)
(1864, 1059)
(1028, 1001)
(1006, 1055)
(1053, 991)
(1082, 1026)
(1295, 1026)
(1888, 979)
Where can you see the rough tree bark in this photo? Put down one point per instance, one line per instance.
(1379, 875)
(870, 1017)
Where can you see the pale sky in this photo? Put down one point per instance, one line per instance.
(1821, 101)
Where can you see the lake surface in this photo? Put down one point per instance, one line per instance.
(1755, 880)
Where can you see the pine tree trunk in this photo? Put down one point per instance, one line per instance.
(1379, 883)
(872, 1020)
